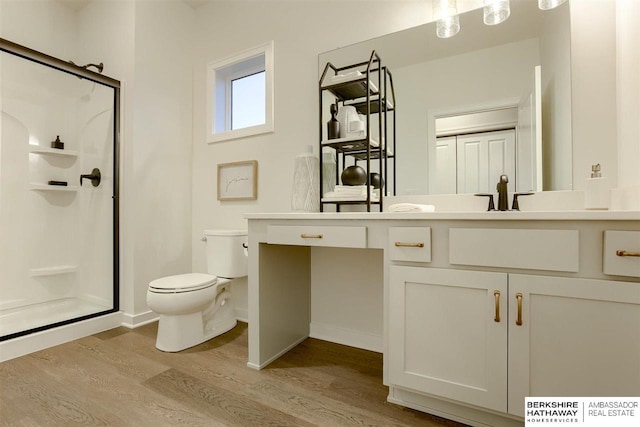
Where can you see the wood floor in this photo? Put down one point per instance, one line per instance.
(119, 378)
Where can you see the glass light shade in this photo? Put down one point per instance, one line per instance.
(448, 27)
(496, 11)
(549, 4)
(444, 9)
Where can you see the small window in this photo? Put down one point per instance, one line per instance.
(240, 95)
(248, 101)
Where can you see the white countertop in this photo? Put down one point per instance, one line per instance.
(581, 215)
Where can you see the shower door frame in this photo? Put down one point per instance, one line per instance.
(78, 71)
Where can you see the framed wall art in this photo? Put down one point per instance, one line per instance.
(238, 180)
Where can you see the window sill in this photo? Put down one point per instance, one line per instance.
(240, 133)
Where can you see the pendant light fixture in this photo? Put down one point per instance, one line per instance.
(445, 13)
(447, 20)
(496, 11)
(549, 4)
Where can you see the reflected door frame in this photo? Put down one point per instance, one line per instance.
(432, 144)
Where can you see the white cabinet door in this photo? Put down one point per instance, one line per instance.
(578, 337)
(448, 334)
(482, 158)
(445, 172)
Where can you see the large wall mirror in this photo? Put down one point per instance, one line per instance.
(490, 100)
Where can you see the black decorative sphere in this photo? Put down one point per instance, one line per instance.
(376, 180)
(353, 175)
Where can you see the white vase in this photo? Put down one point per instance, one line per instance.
(306, 183)
(328, 172)
(350, 123)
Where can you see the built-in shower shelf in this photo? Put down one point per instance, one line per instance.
(56, 152)
(47, 187)
(53, 270)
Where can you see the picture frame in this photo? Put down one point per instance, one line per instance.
(238, 180)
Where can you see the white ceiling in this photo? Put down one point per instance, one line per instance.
(79, 4)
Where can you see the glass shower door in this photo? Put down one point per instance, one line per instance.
(58, 193)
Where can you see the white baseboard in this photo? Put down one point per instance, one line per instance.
(242, 314)
(271, 359)
(40, 340)
(452, 410)
(133, 321)
(350, 337)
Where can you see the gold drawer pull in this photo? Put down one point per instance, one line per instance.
(519, 320)
(409, 245)
(497, 295)
(620, 252)
(311, 236)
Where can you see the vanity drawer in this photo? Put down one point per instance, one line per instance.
(553, 250)
(410, 244)
(621, 253)
(310, 235)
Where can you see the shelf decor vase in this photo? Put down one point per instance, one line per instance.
(328, 172)
(353, 175)
(333, 125)
(306, 183)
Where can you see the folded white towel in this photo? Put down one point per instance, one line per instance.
(332, 197)
(351, 193)
(363, 191)
(411, 207)
(350, 188)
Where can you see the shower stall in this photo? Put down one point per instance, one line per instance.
(58, 192)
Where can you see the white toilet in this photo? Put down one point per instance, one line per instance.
(197, 307)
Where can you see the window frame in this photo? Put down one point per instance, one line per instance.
(215, 77)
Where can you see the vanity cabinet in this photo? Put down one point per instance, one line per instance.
(490, 339)
(448, 334)
(577, 337)
(448, 290)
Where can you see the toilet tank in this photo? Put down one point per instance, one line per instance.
(226, 256)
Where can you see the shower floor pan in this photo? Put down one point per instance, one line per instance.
(36, 315)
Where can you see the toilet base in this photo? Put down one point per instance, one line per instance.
(179, 332)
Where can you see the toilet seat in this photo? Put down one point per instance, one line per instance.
(182, 283)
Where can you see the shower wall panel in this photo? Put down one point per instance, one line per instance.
(56, 241)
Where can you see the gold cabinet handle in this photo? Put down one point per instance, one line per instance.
(409, 245)
(519, 319)
(311, 236)
(620, 252)
(497, 316)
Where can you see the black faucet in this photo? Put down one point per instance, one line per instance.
(503, 194)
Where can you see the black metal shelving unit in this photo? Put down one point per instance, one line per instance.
(371, 92)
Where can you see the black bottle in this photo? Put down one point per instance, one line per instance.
(333, 125)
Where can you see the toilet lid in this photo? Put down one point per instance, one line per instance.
(183, 283)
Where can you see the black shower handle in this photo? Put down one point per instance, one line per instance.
(94, 176)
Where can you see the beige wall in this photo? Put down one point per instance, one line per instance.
(628, 90)
(300, 30)
(160, 173)
(593, 79)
